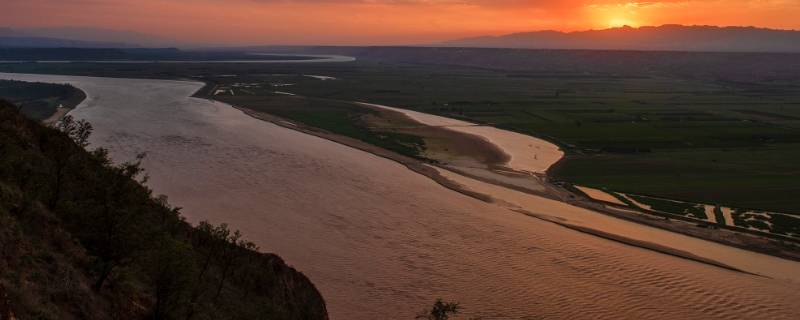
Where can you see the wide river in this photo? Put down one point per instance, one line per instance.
(382, 242)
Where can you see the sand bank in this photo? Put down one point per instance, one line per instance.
(600, 195)
(526, 153)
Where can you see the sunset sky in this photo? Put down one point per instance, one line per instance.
(382, 21)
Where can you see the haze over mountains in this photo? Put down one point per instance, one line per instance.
(661, 38)
(666, 37)
(79, 37)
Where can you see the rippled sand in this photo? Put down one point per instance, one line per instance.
(381, 242)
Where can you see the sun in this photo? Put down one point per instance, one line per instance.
(621, 22)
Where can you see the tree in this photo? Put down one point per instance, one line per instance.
(170, 267)
(63, 153)
(440, 310)
(79, 131)
(114, 231)
(232, 245)
(220, 247)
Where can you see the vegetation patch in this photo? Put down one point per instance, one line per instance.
(338, 117)
(770, 222)
(40, 100)
(691, 210)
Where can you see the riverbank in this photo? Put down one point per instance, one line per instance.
(616, 227)
(411, 163)
(539, 157)
(449, 180)
(45, 102)
(526, 153)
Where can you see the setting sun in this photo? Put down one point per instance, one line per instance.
(621, 22)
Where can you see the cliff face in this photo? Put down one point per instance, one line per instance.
(81, 238)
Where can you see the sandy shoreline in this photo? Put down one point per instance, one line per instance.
(519, 147)
(445, 179)
(412, 164)
(526, 153)
(56, 116)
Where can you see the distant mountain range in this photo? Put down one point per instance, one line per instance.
(78, 37)
(43, 42)
(666, 37)
(662, 38)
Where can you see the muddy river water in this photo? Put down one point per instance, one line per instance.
(381, 242)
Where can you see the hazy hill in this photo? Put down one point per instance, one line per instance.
(666, 37)
(42, 42)
(87, 53)
(78, 37)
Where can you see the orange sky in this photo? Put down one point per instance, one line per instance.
(382, 21)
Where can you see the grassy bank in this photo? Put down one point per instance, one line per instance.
(40, 100)
(338, 117)
(81, 238)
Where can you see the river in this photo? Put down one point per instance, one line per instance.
(381, 242)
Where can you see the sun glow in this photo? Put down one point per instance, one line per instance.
(385, 22)
(621, 22)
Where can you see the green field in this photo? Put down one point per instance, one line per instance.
(698, 139)
(775, 223)
(338, 117)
